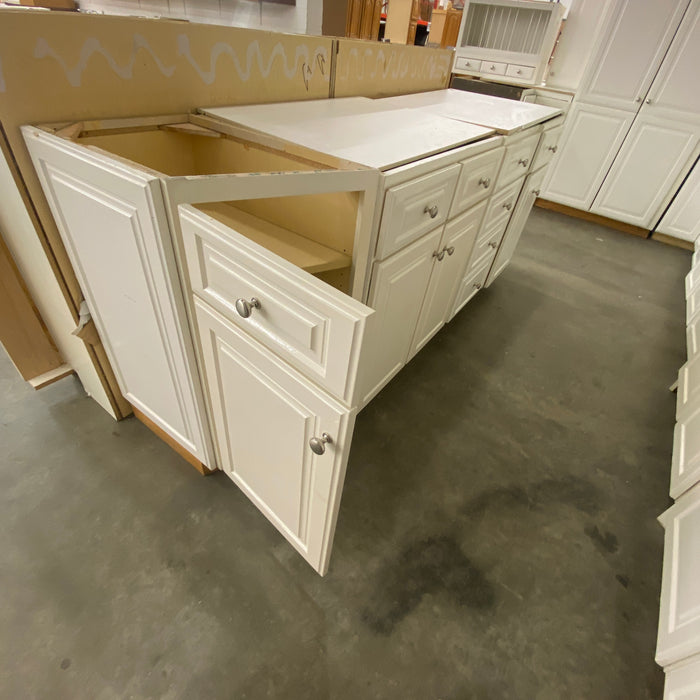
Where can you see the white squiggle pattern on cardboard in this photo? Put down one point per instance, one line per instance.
(3, 86)
(303, 64)
(398, 65)
(93, 46)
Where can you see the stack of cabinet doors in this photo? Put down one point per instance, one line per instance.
(253, 294)
(678, 647)
(633, 132)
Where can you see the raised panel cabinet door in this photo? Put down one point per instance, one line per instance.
(656, 152)
(528, 195)
(112, 221)
(591, 139)
(448, 272)
(683, 682)
(679, 614)
(396, 294)
(682, 218)
(629, 52)
(685, 460)
(266, 419)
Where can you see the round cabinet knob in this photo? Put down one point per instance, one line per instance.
(439, 254)
(485, 182)
(493, 245)
(477, 285)
(492, 67)
(553, 149)
(245, 308)
(507, 206)
(518, 72)
(318, 445)
(433, 211)
(523, 162)
(450, 250)
(648, 100)
(637, 99)
(536, 193)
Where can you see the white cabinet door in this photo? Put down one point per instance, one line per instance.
(682, 218)
(265, 417)
(688, 387)
(396, 294)
(685, 461)
(629, 52)
(679, 616)
(683, 682)
(112, 221)
(448, 271)
(655, 153)
(591, 139)
(528, 195)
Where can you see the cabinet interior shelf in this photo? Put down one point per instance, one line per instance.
(302, 252)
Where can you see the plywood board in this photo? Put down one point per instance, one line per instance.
(375, 69)
(71, 67)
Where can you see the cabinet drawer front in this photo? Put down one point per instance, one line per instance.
(487, 243)
(501, 206)
(477, 179)
(414, 208)
(679, 614)
(518, 159)
(493, 68)
(685, 462)
(520, 72)
(470, 65)
(688, 387)
(691, 334)
(265, 415)
(313, 326)
(692, 304)
(474, 281)
(547, 148)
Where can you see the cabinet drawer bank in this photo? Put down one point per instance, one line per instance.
(253, 293)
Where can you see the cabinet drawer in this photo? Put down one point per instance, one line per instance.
(414, 208)
(493, 68)
(311, 325)
(517, 159)
(692, 304)
(477, 179)
(692, 339)
(501, 205)
(688, 386)
(692, 281)
(547, 148)
(679, 614)
(470, 65)
(520, 72)
(685, 461)
(472, 283)
(487, 243)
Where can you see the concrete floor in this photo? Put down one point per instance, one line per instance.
(497, 535)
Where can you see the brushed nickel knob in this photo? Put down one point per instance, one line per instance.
(508, 206)
(318, 445)
(553, 149)
(493, 67)
(439, 254)
(485, 182)
(648, 100)
(450, 250)
(477, 285)
(433, 211)
(245, 308)
(493, 245)
(536, 193)
(523, 162)
(637, 99)
(518, 72)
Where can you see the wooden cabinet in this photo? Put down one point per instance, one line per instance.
(450, 32)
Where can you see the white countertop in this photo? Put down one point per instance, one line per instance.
(505, 116)
(352, 129)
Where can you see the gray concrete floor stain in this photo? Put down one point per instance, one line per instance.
(497, 536)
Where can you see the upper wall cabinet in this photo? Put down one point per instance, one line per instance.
(630, 52)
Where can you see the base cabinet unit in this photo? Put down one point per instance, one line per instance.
(256, 291)
(683, 680)
(682, 218)
(633, 132)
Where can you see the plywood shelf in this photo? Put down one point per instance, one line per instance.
(302, 252)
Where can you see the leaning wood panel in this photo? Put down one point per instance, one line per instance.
(22, 332)
(70, 67)
(374, 69)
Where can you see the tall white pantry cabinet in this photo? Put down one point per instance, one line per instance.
(255, 292)
(633, 132)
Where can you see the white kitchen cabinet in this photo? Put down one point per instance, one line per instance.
(685, 461)
(112, 220)
(655, 153)
(300, 280)
(529, 194)
(629, 52)
(448, 271)
(683, 681)
(679, 616)
(590, 141)
(682, 218)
